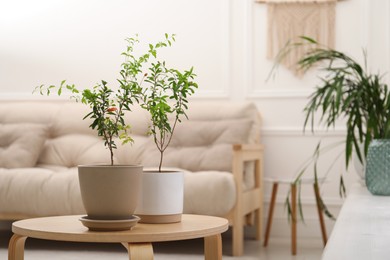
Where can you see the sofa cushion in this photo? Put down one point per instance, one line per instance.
(203, 145)
(204, 187)
(40, 191)
(21, 144)
(74, 149)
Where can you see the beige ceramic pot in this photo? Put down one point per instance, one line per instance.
(110, 192)
(161, 198)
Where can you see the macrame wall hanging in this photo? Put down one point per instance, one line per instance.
(290, 19)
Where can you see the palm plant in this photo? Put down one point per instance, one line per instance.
(349, 92)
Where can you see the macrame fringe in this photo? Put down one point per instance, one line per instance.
(288, 20)
(300, 1)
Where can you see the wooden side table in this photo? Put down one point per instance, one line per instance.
(137, 241)
(275, 184)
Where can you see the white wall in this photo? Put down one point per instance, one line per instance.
(45, 41)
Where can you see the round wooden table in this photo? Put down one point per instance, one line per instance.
(137, 241)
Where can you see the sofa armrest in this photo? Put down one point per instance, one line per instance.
(251, 199)
(247, 153)
(249, 202)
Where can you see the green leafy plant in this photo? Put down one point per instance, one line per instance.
(108, 105)
(166, 95)
(349, 92)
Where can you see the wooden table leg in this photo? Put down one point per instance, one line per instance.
(320, 214)
(16, 247)
(213, 247)
(271, 212)
(294, 219)
(139, 251)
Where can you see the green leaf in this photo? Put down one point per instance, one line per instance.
(310, 40)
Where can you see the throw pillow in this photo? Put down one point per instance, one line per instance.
(21, 144)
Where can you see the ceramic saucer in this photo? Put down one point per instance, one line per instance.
(109, 225)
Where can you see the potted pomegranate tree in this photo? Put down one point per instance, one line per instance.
(106, 196)
(165, 96)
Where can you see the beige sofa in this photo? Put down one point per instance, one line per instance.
(42, 142)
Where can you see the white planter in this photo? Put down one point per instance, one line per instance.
(161, 197)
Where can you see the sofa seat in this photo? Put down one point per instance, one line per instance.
(48, 190)
(40, 191)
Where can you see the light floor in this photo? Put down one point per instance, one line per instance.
(188, 250)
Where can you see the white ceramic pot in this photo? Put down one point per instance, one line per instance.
(161, 198)
(110, 192)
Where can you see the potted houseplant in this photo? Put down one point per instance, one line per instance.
(348, 91)
(165, 97)
(108, 107)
